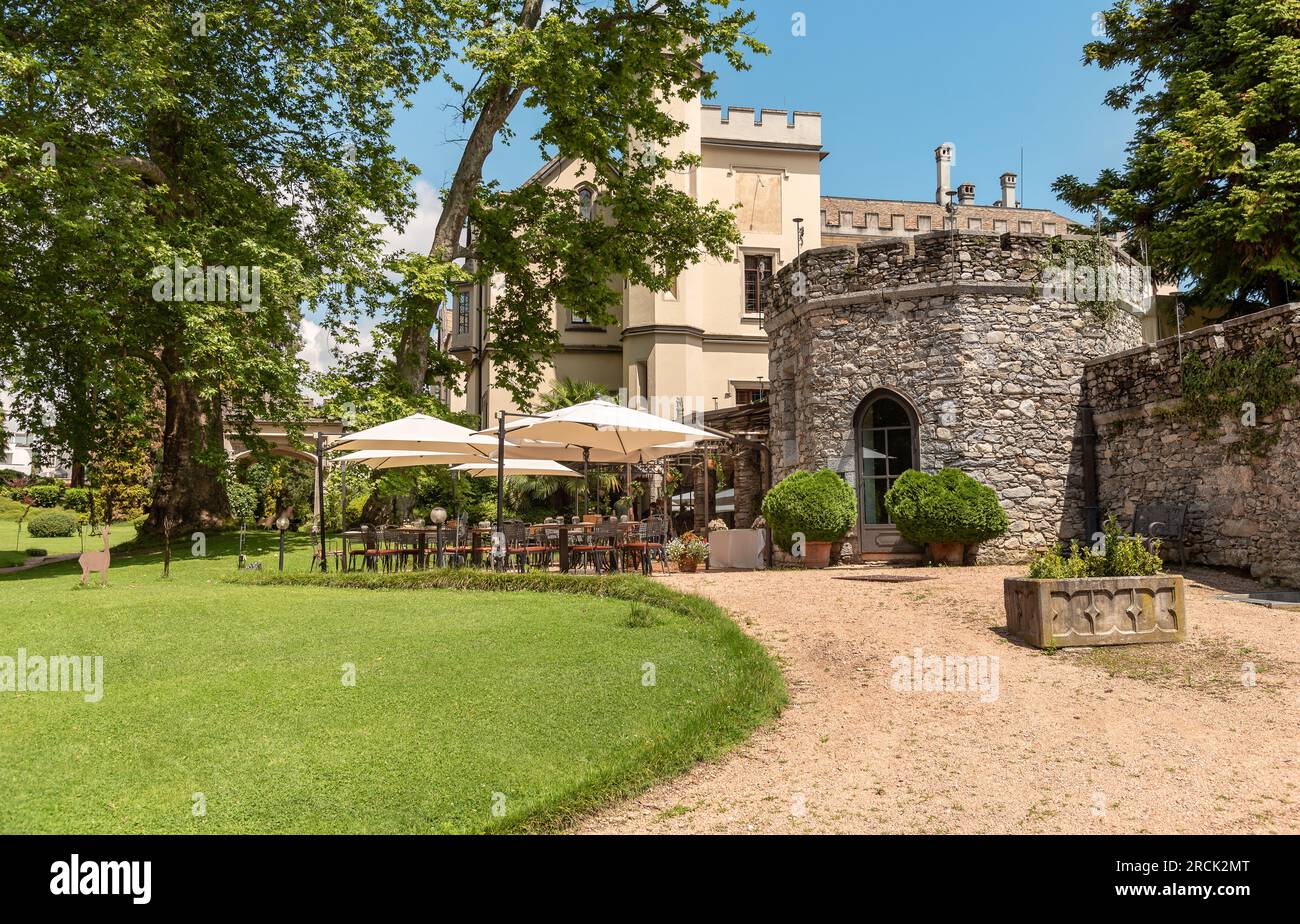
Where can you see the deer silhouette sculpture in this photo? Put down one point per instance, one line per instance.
(96, 561)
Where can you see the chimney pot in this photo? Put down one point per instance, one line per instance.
(966, 194)
(1009, 190)
(943, 172)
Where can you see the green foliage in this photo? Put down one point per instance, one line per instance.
(1218, 390)
(567, 392)
(77, 499)
(1125, 555)
(243, 502)
(50, 524)
(821, 505)
(1211, 186)
(36, 553)
(45, 495)
(949, 506)
(1090, 254)
(640, 616)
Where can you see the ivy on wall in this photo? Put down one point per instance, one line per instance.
(1066, 258)
(1250, 388)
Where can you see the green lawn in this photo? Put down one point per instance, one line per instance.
(464, 700)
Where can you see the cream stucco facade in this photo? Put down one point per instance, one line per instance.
(697, 347)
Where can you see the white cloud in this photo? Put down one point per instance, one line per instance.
(417, 237)
(321, 351)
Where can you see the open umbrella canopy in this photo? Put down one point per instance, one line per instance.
(598, 425)
(422, 433)
(407, 458)
(516, 467)
(556, 452)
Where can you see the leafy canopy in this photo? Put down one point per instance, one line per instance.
(1211, 186)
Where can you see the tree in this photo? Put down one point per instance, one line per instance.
(142, 138)
(598, 73)
(566, 393)
(1210, 192)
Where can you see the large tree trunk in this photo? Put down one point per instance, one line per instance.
(412, 351)
(188, 492)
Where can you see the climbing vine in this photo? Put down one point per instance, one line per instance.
(1082, 270)
(1250, 388)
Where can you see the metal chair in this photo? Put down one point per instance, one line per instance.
(650, 539)
(604, 542)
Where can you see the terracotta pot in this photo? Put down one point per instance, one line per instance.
(687, 565)
(816, 554)
(947, 553)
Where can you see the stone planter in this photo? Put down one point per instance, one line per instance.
(816, 554)
(687, 565)
(1096, 611)
(946, 553)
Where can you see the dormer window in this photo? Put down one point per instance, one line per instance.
(586, 202)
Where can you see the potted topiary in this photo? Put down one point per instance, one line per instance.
(948, 512)
(808, 512)
(1117, 595)
(687, 551)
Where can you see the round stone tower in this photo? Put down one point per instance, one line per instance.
(942, 350)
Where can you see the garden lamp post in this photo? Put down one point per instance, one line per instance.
(282, 523)
(438, 516)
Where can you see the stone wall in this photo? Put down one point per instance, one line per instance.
(1243, 511)
(955, 324)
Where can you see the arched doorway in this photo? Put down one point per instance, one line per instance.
(887, 444)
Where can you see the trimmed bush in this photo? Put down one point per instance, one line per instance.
(45, 495)
(1125, 555)
(77, 499)
(821, 505)
(36, 553)
(51, 525)
(949, 506)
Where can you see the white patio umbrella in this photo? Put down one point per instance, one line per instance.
(422, 433)
(597, 428)
(407, 458)
(600, 424)
(516, 467)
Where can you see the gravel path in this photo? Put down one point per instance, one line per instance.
(1145, 738)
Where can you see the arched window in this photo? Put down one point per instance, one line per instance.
(586, 202)
(887, 446)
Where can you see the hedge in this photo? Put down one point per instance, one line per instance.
(77, 499)
(821, 505)
(949, 506)
(51, 524)
(45, 495)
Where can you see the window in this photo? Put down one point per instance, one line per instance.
(974, 224)
(462, 312)
(586, 202)
(886, 448)
(758, 266)
(1026, 227)
(579, 320)
(748, 395)
(922, 223)
(1049, 228)
(999, 227)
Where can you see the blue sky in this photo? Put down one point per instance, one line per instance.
(892, 81)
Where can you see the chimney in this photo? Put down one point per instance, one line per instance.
(943, 171)
(1009, 190)
(966, 194)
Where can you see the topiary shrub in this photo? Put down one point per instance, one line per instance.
(51, 524)
(949, 506)
(821, 505)
(45, 495)
(77, 499)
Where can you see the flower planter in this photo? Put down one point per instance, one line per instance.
(1096, 611)
(946, 553)
(816, 554)
(687, 565)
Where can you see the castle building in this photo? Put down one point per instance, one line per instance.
(704, 344)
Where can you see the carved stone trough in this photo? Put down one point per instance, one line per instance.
(1096, 611)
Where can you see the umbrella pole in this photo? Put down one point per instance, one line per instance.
(586, 485)
(501, 477)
